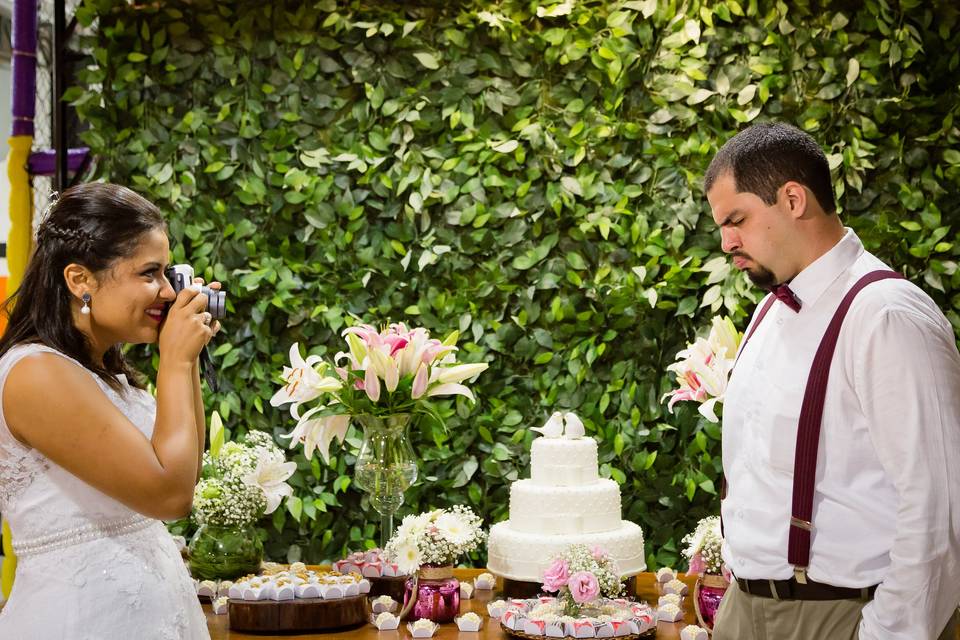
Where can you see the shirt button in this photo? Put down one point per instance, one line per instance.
(779, 320)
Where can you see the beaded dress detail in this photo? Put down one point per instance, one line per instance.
(88, 567)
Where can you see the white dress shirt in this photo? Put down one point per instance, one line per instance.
(886, 508)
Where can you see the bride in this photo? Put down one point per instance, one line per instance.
(89, 461)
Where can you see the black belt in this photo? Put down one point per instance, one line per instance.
(793, 590)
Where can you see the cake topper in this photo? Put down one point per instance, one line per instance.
(573, 426)
(567, 425)
(553, 427)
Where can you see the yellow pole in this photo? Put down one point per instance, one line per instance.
(19, 244)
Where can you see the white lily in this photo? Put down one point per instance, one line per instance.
(457, 373)
(724, 337)
(450, 389)
(271, 475)
(318, 433)
(304, 380)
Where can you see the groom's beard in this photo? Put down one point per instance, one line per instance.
(758, 274)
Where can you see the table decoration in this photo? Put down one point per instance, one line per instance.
(239, 483)
(386, 621)
(693, 632)
(422, 628)
(579, 576)
(484, 581)
(703, 551)
(546, 617)
(384, 379)
(383, 603)
(427, 546)
(469, 622)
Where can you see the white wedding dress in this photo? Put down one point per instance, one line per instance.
(88, 567)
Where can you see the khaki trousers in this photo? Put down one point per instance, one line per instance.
(745, 617)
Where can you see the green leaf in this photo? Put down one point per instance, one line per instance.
(294, 506)
(427, 59)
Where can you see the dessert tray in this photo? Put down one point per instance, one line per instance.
(539, 618)
(297, 599)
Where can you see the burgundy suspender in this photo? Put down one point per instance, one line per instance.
(808, 432)
(808, 429)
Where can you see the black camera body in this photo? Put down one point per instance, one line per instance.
(181, 277)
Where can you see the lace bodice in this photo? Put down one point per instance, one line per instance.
(80, 552)
(37, 496)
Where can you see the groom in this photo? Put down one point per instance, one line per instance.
(842, 514)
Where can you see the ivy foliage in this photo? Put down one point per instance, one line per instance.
(528, 173)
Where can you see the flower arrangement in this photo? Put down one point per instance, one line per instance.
(703, 547)
(435, 538)
(581, 574)
(703, 368)
(240, 481)
(393, 371)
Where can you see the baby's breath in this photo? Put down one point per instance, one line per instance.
(222, 498)
(707, 541)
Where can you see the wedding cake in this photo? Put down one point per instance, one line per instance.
(563, 502)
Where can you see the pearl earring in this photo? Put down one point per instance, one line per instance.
(85, 309)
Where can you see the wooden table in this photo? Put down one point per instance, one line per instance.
(646, 590)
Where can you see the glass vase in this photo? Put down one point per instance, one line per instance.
(707, 594)
(224, 553)
(386, 466)
(432, 594)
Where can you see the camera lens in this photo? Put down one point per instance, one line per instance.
(216, 302)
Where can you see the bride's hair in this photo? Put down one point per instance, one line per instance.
(92, 225)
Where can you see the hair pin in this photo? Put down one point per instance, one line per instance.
(52, 199)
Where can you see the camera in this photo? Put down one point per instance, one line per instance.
(181, 277)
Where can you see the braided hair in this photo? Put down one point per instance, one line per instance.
(93, 225)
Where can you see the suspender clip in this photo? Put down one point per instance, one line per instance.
(801, 524)
(800, 575)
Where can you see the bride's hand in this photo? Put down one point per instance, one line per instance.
(214, 324)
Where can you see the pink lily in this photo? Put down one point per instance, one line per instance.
(419, 382)
(371, 384)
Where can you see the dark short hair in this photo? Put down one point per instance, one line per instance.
(93, 225)
(764, 156)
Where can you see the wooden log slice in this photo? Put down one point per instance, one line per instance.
(301, 615)
(388, 586)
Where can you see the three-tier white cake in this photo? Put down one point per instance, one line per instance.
(563, 502)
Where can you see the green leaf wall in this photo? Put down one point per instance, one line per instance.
(528, 173)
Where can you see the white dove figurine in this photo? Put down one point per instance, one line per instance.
(553, 427)
(573, 426)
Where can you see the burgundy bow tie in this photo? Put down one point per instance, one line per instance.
(785, 295)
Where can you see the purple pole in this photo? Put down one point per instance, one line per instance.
(24, 66)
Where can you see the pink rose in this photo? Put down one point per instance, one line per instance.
(598, 552)
(583, 586)
(556, 575)
(697, 564)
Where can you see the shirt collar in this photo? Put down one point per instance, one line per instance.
(809, 284)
